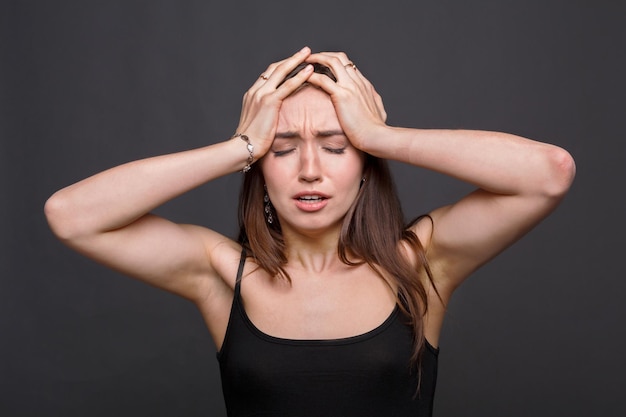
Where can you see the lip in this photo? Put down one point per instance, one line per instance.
(311, 205)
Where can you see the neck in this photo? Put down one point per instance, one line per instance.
(313, 252)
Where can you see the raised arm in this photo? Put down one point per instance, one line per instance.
(519, 181)
(107, 216)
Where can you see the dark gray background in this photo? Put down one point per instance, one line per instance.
(88, 85)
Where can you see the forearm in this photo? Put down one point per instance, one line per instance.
(116, 197)
(497, 162)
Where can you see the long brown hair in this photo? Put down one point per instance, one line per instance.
(371, 232)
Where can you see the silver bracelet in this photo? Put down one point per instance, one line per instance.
(250, 148)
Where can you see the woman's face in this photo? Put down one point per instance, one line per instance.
(312, 172)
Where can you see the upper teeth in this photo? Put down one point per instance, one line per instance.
(310, 197)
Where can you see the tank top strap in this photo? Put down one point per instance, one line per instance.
(242, 262)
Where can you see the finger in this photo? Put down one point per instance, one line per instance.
(379, 104)
(275, 69)
(292, 84)
(275, 74)
(264, 76)
(261, 87)
(333, 60)
(325, 83)
(341, 56)
(339, 63)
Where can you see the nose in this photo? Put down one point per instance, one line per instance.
(310, 166)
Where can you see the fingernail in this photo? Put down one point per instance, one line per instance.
(305, 49)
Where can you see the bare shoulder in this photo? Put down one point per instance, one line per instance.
(224, 255)
(222, 252)
(437, 293)
(424, 228)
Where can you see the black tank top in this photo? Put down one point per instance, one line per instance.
(365, 375)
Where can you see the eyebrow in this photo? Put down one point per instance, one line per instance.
(319, 134)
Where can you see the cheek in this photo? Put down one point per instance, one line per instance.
(275, 173)
(348, 170)
(348, 184)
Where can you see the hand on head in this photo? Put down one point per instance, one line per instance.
(261, 103)
(359, 107)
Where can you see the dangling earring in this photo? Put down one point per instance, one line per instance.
(268, 207)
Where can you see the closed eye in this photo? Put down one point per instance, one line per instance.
(283, 152)
(337, 151)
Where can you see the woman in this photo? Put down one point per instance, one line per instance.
(327, 304)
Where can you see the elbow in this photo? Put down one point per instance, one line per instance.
(560, 172)
(58, 214)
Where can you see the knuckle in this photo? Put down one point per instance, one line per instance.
(343, 93)
(265, 99)
(337, 60)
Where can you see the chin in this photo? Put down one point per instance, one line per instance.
(313, 227)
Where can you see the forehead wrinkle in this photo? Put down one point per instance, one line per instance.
(308, 113)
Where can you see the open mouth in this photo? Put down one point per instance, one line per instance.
(311, 202)
(311, 198)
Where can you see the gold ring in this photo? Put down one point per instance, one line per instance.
(350, 64)
(265, 77)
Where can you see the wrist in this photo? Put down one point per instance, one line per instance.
(375, 140)
(249, 147)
